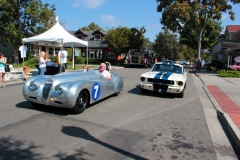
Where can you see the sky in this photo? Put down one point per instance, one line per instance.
(75, 14)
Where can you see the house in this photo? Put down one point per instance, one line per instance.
(228, 46)
(97, 48)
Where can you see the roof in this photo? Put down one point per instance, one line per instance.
(232, 28)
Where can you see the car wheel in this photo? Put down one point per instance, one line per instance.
(143, 90)
(181, 95)
(81, 102)
(116, 94)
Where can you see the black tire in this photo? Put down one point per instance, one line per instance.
(81, 102)
(143, 90)
(116, 94)
(181, 95)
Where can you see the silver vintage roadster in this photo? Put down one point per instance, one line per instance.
(73, 90)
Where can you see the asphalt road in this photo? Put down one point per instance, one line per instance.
(129, 126)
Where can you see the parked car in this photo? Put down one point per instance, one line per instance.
(164, 78)
(183, 62)
(168, 61)
(73, 90)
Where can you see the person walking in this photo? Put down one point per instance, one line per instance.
(3, 61)
(42, 63)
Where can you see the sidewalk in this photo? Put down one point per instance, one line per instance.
(224, 94)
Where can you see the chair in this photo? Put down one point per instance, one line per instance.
(13, 73)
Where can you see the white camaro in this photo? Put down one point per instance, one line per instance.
(164, 78)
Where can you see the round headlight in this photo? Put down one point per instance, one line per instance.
(180, 83)
(58, 89)
(33, 86)
(142, 78)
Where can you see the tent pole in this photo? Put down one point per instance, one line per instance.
(60, 57)
(23, 53)
(87, 54)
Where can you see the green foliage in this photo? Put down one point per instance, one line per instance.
(229, 73)
(147, 44)
(219, 65)
(187, 53)
(122, 39)
(91, 27)
(194, 14)
(79, 60)
(167, 46)
(209, 37)
(25, 18)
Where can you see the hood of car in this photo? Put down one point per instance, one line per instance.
(163, 75)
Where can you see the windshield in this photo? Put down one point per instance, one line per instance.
(167, 68)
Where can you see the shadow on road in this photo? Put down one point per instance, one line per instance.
(11, 148)
(137, 91)
(43, 108)
(81, 133)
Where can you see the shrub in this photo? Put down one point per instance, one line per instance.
(229, 73)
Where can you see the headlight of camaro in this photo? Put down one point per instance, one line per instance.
(142, 78)
(180, 83)
(33, 86)
(58, 89)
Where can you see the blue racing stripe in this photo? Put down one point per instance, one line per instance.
(163, 75)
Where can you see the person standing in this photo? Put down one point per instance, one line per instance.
(103, 72)
(202, 63)
(118, 60)
(42, 63)
(3, 61)
(62, 54)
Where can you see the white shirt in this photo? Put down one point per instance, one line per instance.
(105, 73)
(23, 50)
(41, 64)
(63, 56)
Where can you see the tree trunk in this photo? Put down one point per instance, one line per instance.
(199, 41)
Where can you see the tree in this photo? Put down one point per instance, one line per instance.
(117, 39)
(147, 44)
(167, 46)
(209, 37)
(122, 39)
(195, 13)
(136, 37)
(91, 27)
(188, 53)
(24, 18)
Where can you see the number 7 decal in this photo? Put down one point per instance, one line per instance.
(96, 90)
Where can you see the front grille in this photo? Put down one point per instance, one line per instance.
(153, 80)
(46, 88)
(160, 86)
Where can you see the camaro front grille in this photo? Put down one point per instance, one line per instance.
(153, 80)
(46, 88)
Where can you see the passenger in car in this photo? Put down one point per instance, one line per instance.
(103, 72)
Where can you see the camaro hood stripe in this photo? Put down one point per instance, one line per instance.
(163, 75)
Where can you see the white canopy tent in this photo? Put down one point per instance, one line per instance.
(56, 36)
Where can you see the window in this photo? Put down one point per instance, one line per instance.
(97, 37)
(51, 51)
(80, 36)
